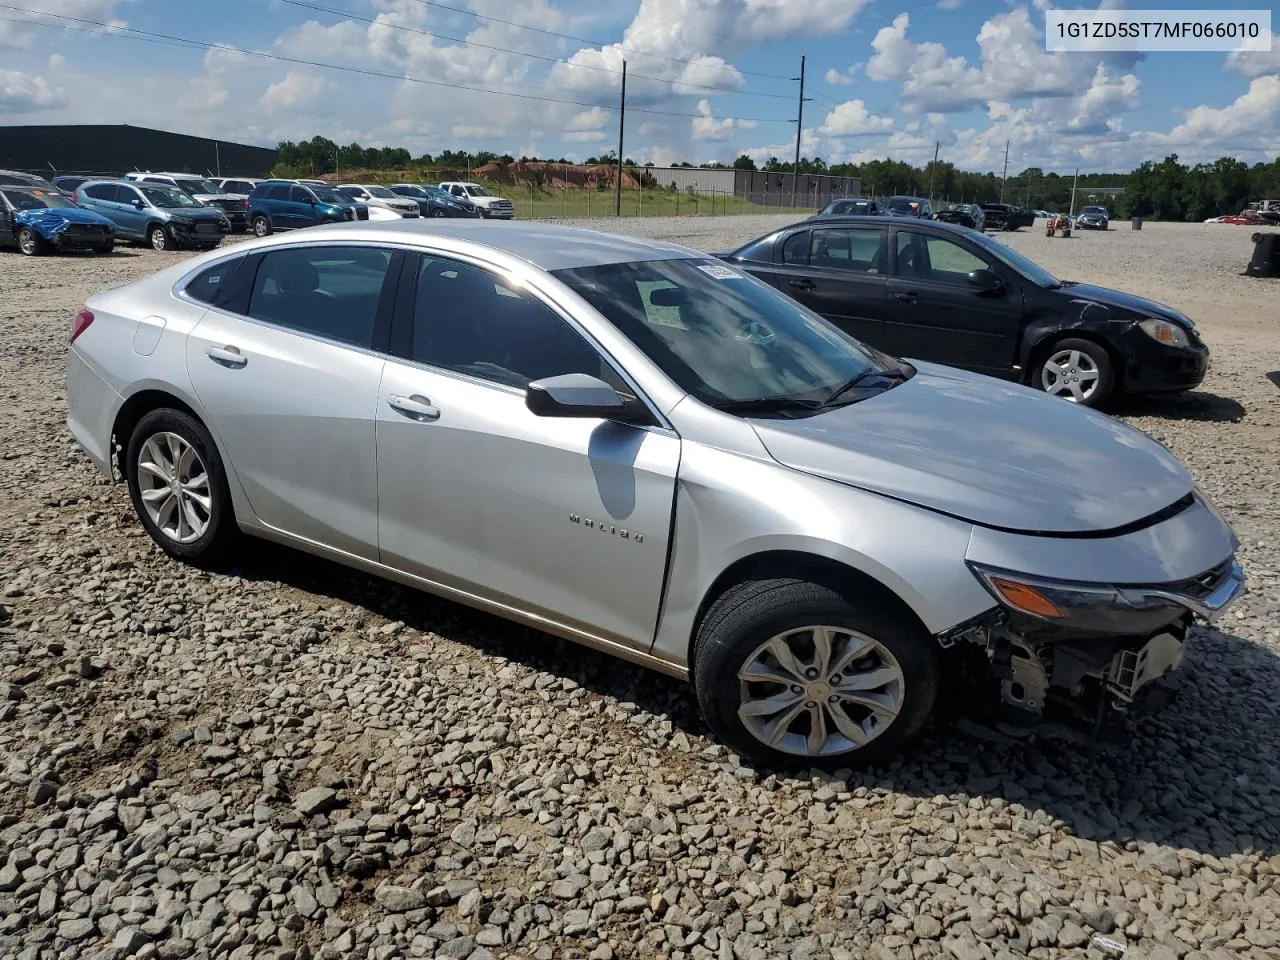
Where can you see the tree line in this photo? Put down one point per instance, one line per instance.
(1168, 190)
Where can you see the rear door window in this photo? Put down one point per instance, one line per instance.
(328, 291)
(279, 191)
(102, 191)
(851, 249)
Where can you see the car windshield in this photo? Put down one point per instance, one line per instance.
(329, 196)
(381, 192)
(199, 185)
(1095, 210)
(477, 191)
(36, 199)
(903, 205)
(723, 337)
(25, 180)
(166, 197)
(1012, 258)
(408, 190)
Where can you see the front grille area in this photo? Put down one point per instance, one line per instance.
(86, 229)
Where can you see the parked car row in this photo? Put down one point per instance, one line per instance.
(985, 216)
(698, 474)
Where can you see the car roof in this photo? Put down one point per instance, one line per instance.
(910, 223)
(545, 245)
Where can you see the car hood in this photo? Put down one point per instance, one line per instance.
(1123, 301)
(50, 222)
(990, 452)
(196, 213)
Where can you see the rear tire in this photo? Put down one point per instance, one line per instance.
(837, 680)
(261, 226)
(178, 487)
(31, 243)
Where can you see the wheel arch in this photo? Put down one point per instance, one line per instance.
(137, 406)
(1039, 343)
(836, 574)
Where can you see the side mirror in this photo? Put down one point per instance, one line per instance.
(985, 281)
(577, 395)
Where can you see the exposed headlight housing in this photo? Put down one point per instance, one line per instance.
(1166, 332)
(1091, 607)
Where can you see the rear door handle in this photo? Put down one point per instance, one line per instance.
(416, 407)
(907, 297)
(801, 284)
(228, 356)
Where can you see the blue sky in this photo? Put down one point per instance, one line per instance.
(707, 79)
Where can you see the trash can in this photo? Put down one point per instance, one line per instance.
(1136, 223)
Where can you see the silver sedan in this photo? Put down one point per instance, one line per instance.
(640, 448)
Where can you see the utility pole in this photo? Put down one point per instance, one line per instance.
(1074, 181)
(1004, 176)
(795, 174)
(622, 116)
(217, 158)
(937, 145)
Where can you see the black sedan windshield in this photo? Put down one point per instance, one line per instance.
(720, 335)
(1012, 258)
(36, 199)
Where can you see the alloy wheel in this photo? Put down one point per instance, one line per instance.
(260, 227)
(27, 242)
(820, 690)
(159, 239)
(1071, 375)
(173, 484)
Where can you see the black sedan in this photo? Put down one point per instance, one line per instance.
(850, 207)
(1007, 216)
(962, 214)
(434, 202)
(926, 290)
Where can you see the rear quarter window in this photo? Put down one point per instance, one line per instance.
(215, 285)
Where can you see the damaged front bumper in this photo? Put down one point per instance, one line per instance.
(1093, 658)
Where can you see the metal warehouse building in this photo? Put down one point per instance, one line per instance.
(117, 148)
(758, 186)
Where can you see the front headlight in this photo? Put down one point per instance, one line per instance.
(1093, 607)
(1166, 332)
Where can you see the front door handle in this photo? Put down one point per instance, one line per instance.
(416, 407)
(801, 284)
(907, 297)
(228, 356)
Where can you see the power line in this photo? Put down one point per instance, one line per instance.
(521, 53)
(132, 33)
(593, 43)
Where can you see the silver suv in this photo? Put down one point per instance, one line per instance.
(640, 448)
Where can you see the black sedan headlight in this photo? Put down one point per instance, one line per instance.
(1166, 332)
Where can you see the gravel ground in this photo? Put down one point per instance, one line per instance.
(294, 761)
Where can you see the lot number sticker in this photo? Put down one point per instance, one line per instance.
(719, 272)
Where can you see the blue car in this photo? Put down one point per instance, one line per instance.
(288, 205)
(36, 221)
(434, 202)
(162, 216)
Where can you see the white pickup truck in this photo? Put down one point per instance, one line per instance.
(489, 206)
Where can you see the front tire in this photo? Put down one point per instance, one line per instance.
(261, 226)
(107, 246)
(1077, 370)
(178, 486)
(31, 243)
(160, 238)
(792, 673)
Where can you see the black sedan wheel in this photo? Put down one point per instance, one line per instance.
(436, 212)
(31, 243)
(1076, 370)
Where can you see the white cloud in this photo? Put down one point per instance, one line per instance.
(1257, 64)
(1253, 117)
(835, 78)
(584, 136)
(297, 89)
(707, 127)
(22, 93)
(23, 35)
(853, 119)
(950, 4)
(592, 119)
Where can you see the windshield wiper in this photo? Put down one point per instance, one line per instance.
(892, 373)
(766, 404)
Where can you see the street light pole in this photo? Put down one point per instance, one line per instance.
(795, 170)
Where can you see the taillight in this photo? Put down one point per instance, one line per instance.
(246, 204)
(79, 324)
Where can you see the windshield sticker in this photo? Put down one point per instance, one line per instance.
(719, 272)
